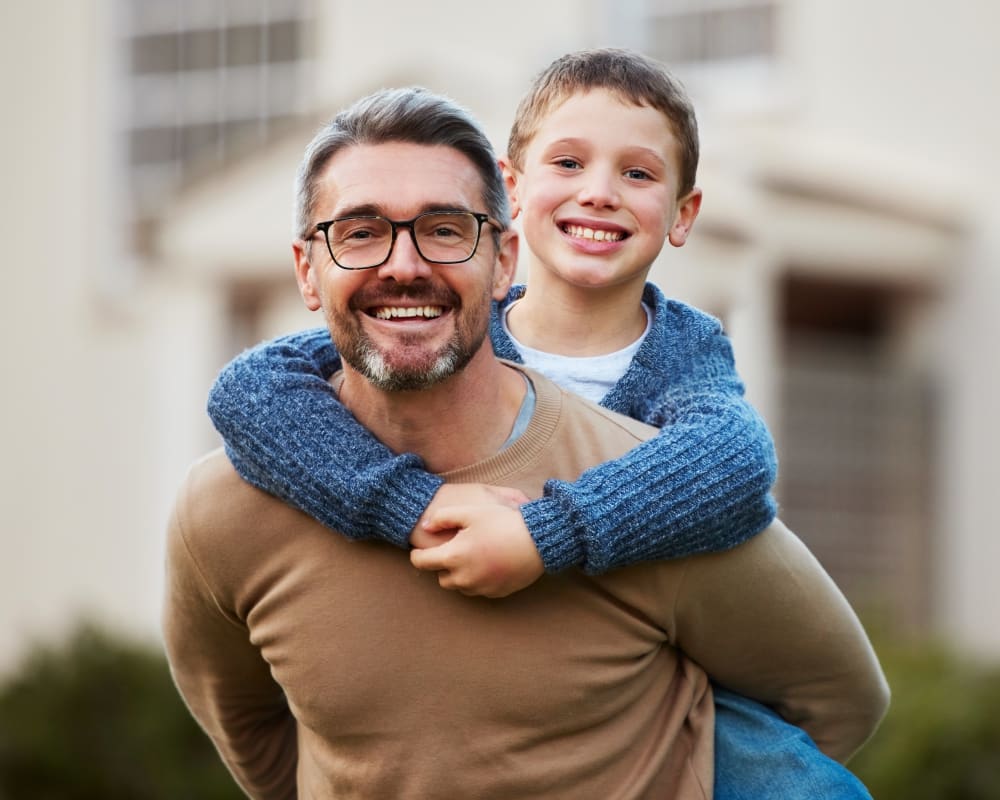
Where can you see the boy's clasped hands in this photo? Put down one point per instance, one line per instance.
(474, 537)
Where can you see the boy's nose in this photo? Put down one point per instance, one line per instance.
(599, 190)
(405, 264)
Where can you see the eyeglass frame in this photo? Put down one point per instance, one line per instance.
(395, 225)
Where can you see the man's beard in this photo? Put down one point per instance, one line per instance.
(409, 366)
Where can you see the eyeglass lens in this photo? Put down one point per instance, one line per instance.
(444, 238)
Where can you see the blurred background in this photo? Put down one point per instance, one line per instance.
(849, 239)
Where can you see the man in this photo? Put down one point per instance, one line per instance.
(324, 668)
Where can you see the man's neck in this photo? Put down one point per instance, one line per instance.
(558, 318)
(452, 424)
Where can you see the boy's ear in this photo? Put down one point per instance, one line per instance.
(510, 182)
(505, 267)
(687, 212)
(305, 275)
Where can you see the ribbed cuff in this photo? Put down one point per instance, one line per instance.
(555, 535)
(394, 508)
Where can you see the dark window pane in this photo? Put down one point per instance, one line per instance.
(283, 41)
(200, 49)
(152, 145)
(199, 142)
(243, 46)
(157, 53)
(740, 32)
(717, 35)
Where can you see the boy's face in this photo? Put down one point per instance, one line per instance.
(598, 191)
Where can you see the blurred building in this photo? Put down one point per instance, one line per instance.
(847, 239)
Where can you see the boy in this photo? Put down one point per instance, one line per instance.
(597, 202)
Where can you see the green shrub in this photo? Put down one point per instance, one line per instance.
(100, 719)
(941, 737)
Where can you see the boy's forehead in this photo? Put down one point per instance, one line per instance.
(599, 109)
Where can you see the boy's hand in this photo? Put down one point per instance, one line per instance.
(487, 550)
(431, 534)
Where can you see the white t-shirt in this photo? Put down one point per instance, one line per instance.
(589, 376)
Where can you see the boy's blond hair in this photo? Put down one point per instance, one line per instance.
(633, 77)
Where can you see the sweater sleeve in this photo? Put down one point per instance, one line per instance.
(701, 485)
(286, 433)
(766, 621)
(223, 680)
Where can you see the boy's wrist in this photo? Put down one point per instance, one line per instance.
(393, 509)
(557, 541)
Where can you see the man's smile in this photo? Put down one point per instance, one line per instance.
(396, 312)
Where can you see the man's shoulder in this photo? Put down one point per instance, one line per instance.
(212, 475)
(214, 498)
(607, 419)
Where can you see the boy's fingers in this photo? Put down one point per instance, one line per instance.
(423, 537)
(511, 497)
(432, 559)
(449, 517)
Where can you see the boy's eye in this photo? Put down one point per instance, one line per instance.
(568, 163)
(637, 174)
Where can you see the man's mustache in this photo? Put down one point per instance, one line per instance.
(426, 295)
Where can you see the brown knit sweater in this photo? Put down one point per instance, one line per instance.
(324, 668)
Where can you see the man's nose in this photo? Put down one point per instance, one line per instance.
(405, 264)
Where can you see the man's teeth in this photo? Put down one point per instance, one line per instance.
(389, 312)
(598, 235)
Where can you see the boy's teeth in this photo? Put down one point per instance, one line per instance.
(388, 312)
(598, 235)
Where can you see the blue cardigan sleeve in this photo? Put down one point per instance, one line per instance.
(286, 433)
(701, 485)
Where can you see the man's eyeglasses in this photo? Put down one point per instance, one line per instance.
(441, 237)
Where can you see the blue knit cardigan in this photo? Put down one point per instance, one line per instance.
(703, 484)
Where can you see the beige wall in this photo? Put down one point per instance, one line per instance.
(79, 486)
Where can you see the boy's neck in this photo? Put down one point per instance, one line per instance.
(572, 321)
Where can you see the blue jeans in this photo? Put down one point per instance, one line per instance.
(759, 756)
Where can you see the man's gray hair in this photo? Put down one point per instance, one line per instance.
(414, 115)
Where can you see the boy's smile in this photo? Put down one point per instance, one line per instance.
(598, 191)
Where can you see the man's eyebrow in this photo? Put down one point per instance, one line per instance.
(376, 210)
(361, 210)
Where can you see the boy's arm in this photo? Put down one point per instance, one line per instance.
(286, 433)
(701, 485)
(766, 621)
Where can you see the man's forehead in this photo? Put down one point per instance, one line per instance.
(396, 178)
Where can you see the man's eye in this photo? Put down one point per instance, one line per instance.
(356, 232)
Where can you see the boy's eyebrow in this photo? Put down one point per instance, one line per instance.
(649, 151)
(566, 142)
(570, 141)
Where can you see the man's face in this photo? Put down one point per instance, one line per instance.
(407, 324)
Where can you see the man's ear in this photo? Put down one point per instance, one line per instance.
(305, 275)
(506, 264)
(687, 212)
(510, 182)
